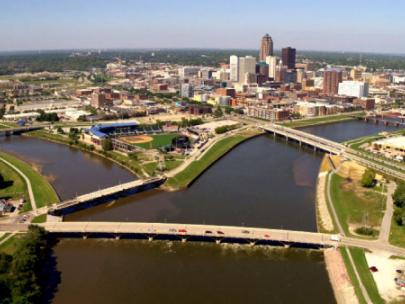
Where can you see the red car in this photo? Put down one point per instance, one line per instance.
(182, 230)
(373, 269)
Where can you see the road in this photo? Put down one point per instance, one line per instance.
(389, 211)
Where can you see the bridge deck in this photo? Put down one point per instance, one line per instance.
(188, 230)
(310, 139)
(105, 192)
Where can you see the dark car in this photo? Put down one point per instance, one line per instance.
(245, 231)
(220, 232)
(373, 269)
(208, 231)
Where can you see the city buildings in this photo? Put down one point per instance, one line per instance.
(266, 47)
(353, 88)
(272, 62)
(331, 80)
(247, 69)
(234, 68)
(288, 57)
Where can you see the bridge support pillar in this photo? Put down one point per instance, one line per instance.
(251, 244)
(150, 239)
(183, 240)
(117, 237)
(314, 148)
(217, 241)
(286, 246)
(84, 237)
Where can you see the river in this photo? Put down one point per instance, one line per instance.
(264, 182)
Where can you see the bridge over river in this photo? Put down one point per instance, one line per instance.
(104, 195)
(213, 233)
(329, 146)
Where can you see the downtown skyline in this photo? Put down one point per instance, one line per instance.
(306, 25)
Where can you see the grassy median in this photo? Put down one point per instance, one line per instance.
(43, 192)
(196, 168)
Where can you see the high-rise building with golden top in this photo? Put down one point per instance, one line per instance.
(266, 47)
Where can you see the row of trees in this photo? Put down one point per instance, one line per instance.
(22, 274)
(399, 201)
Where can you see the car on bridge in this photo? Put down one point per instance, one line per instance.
(245, 231)
(208, 232)
(220, 232)
(182, 230)
(172, 230)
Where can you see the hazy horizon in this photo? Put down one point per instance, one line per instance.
(347, 26)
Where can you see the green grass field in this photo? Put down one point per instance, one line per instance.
(159, 140)
(39, 219)
(397, 234)
(182, 179)
(10, 245)
(43, 191)
(353, 208)
(16, 187)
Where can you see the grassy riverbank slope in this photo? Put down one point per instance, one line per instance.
(43, 191)
(306, 122)
(197, 167)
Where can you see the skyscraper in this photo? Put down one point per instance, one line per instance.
(331, 80)
(247, 69)
(272, 62)
(234, 68)
(288, 57)
(266, 47)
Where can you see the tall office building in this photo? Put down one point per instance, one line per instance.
(247, 69)
(272, 62)
(234, 68)
(331, 80)
(266, 47)
(288, 57)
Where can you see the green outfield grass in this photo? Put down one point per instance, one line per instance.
(159, 140)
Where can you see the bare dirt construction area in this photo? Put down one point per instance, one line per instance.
(340, 280)
(384, 277)
(139, 139)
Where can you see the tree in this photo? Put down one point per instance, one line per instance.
(368, 179)
(218, 112)
(107, 144)
(399, 195)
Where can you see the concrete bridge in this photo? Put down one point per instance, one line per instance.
(18, 130)
(104, 195)
(301, 137)
(213, 233)
(190, 232)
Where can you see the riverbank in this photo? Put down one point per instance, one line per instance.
(197, 167)
(125, 162)
(43, 192)
(306, 122)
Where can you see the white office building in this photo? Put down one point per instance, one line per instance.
(272, 62)
(247, 69)
(234, 68)
(353, 88)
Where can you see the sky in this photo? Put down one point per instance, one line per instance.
(343, 25)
